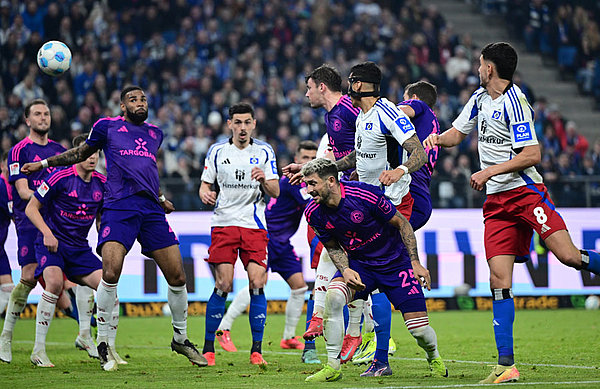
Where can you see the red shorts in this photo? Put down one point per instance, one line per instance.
(316, 247)
(510, 218)
(226, 242)
(405, 207)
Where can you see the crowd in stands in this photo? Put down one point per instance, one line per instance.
(194, 58)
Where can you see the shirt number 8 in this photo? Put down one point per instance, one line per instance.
(540, 216)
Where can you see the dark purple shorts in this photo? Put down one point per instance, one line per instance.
(26, 244)
(74, 261)
(283, 258)
(395, 280)
(421, 210)
(144, 220)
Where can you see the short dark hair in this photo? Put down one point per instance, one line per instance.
(308, 145)
(504, 56)
(128, 89)
(79, 139)
(323, 167)
(366, 72)
(327, 75)
(241, 108)
(32, 103)
(425, 91)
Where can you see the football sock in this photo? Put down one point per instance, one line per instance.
(293, 310)
(5, 290)
(236, 308)
(214, 312)
(16, 304)
(114, 324)
(590, 259)
(368, 325)
(84, 299)
(333, 323)
(424, 334)
(355, 310)
(43, 318)
(382, 316)
(178, 303)
(106, 296)
(258, 313)
(504, 317)
(309, 344)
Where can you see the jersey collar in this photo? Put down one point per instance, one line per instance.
(231, 140)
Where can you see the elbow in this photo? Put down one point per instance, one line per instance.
(536, 156)
(275, 192)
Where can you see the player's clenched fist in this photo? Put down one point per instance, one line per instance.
(31, 167)
(431, 141)
(209, 197)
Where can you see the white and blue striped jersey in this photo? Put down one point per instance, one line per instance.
(505, 126)
(240, 201)
(380, 134)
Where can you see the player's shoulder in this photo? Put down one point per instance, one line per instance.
(514, 102)
(105, 123)
(361, 189)
(345, 106)
(386, 108)
(61, 174)
(56, 145)
(414, 103)
(99, 177)
(262, 144)
(17, 149)
(217, 146)
(312, 211)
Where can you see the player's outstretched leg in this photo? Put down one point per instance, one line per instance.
(84, 300)
(257, 317)
(426, 338)
(16, 304)
(338, 295)
(293, 310)
(504, 318)
(236, 308)
(215, 308)
(44, 315)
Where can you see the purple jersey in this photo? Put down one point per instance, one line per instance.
(5, 208)
(23, 152)
(284, 213)
(425, 123)
(360, 224)
(130, 157)
(341, 126)
(71, 204)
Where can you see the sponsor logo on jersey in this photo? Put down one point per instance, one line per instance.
(522, 132)
(225, 162)
(404, 124)
(43, 189)
(497, 115)
(253, 161)
(14, 169)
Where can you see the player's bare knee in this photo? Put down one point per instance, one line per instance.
(571, 259)
(54, 286)
(224, 285)
(110, 276)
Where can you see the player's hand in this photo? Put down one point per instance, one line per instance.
(388, 177)
(353, 176)
(431, 141)
(31, 167)
(167, 206)
(421, 274)
(209, 198)
(479, 179)
(352, 279)
(257, 174)
(51, 243)
(291, 169)
(296, 179)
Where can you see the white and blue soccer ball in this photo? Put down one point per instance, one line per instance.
(54, 58)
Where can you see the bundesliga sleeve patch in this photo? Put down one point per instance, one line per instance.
(522, 132)
(43, 189)
(14, 169)
(404, 124)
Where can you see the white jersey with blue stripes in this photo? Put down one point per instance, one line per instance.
(505, 127)
(240, 201)
(383, 128)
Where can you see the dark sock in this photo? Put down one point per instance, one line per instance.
(209, 346)
(256, 347)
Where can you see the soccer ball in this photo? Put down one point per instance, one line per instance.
(592, 302)
(54, 58)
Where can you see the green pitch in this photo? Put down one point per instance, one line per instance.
(559, 348)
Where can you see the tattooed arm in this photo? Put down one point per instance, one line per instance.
(416, 159)
(348, 162)
(69, 157)
(410, 242)
(340, 260)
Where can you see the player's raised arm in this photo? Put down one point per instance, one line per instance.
(69, 157)
(449, 138)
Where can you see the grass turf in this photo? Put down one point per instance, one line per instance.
(557, 348)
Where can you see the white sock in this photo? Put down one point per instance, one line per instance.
(16, 304)
(425, 335)
(237, 307)
(112, 326)
(293, 310)
(5, 290)
(333, 323)
(43, 318)
(106, 295)
(178, 303)
(325, 271)
(84, 298)
(369, 324)
(355, 310)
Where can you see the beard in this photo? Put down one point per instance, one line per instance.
(137, 118)
(40, 131)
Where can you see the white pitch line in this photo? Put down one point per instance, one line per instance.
(485, 385)
(391, 357)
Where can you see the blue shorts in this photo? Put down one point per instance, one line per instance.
(283, 258)
(26, 244)
(74, 261)
(144, 220)
(395, 280)
(421, 210)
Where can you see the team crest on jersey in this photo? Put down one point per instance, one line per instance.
(253, 161)
(337, 125)
(14, 169)
(97, 195)
(497, 115)
(357, 216)
(404, 124)
(522, 132)
(369, 126)
(152, 133)
(43, 189)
